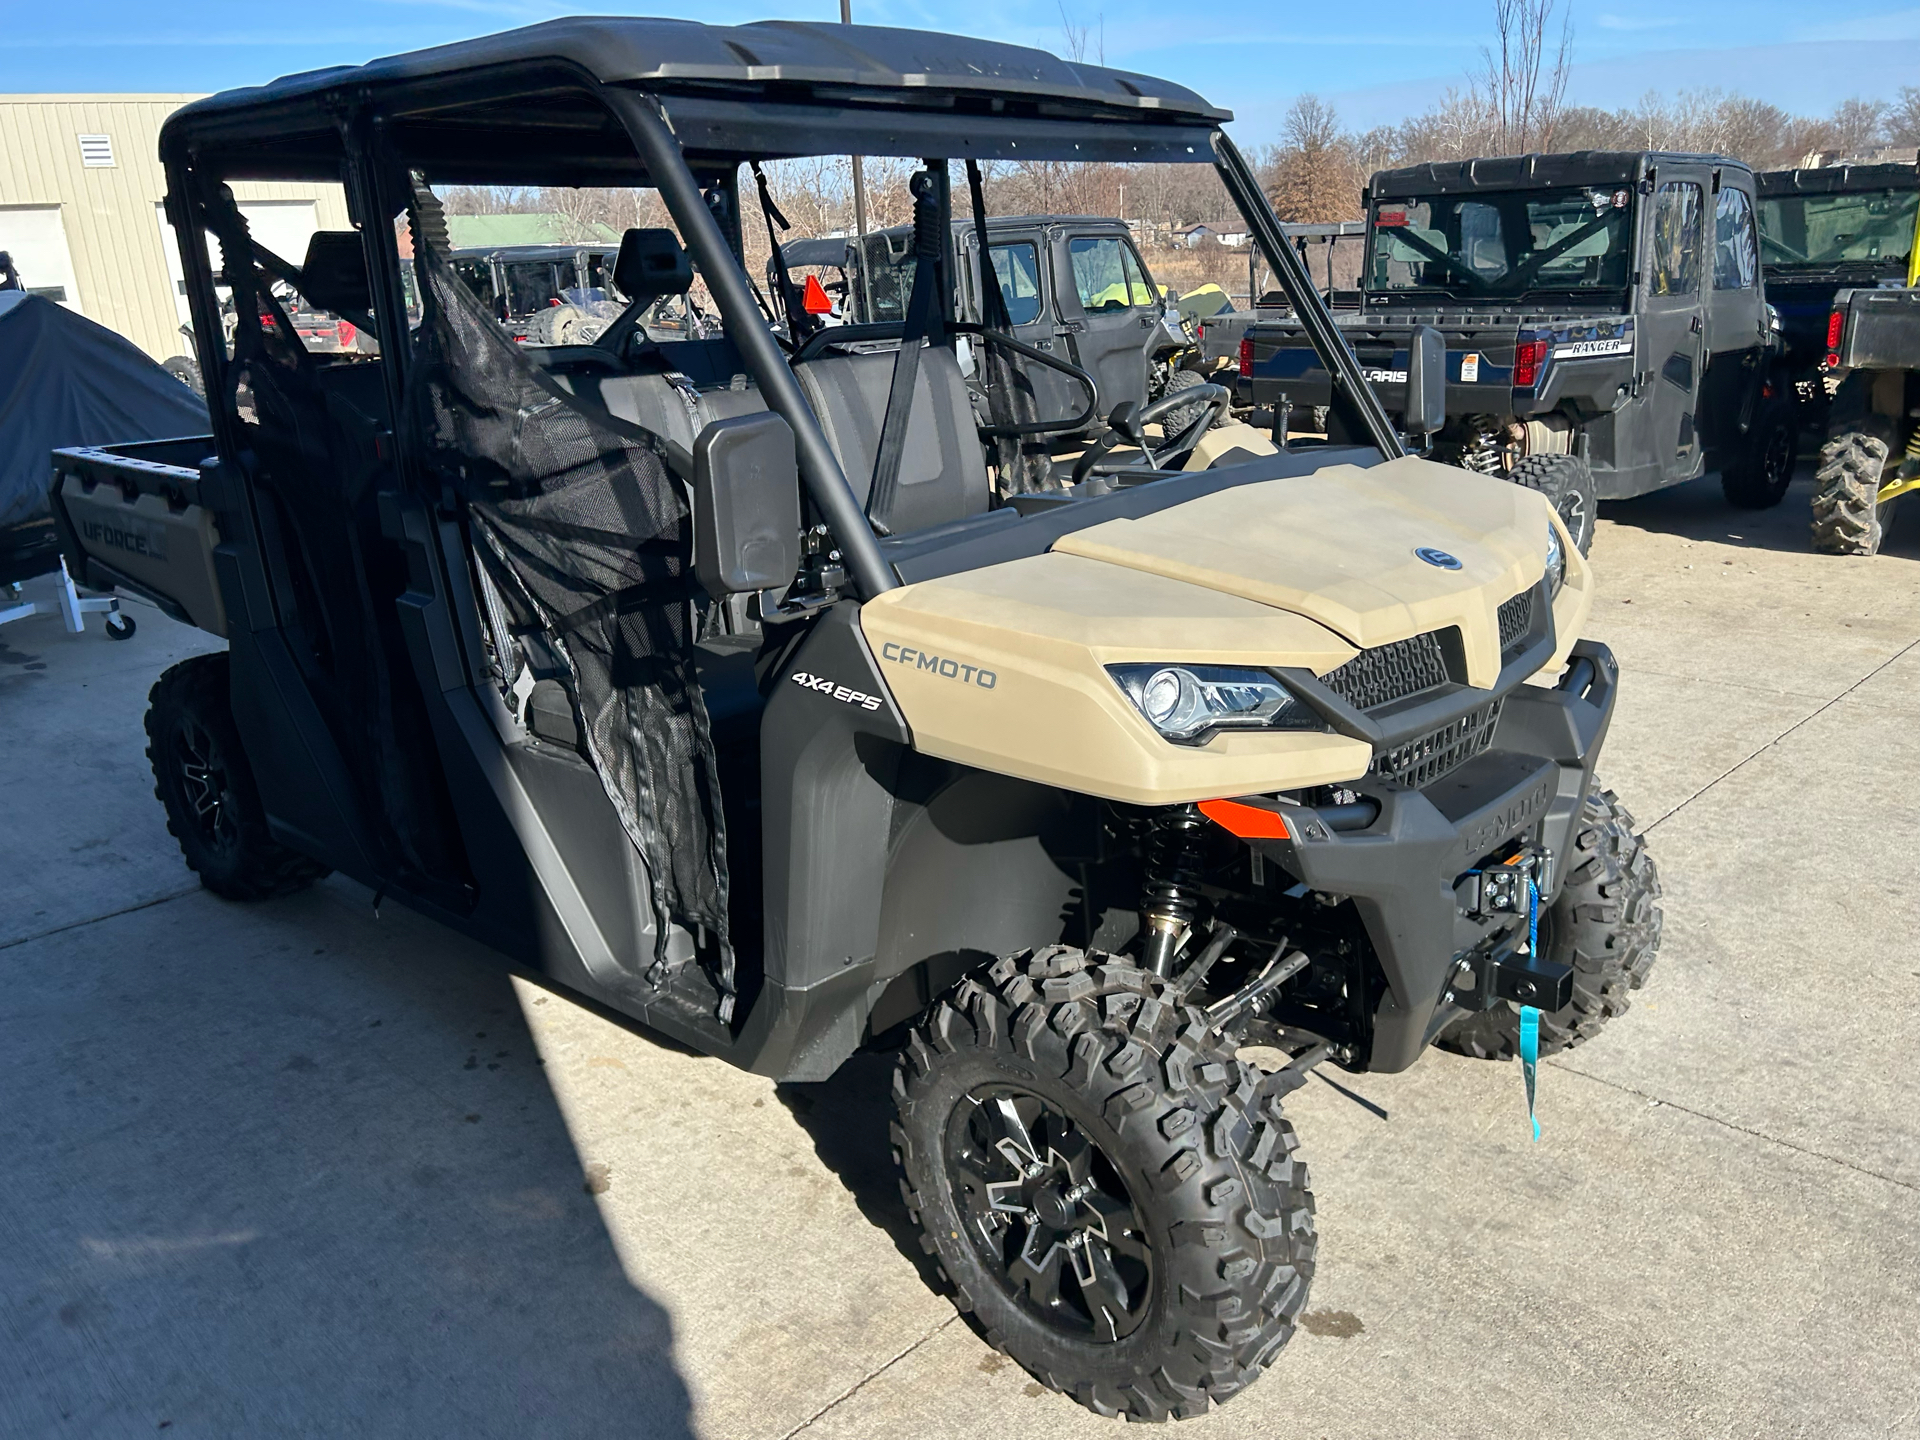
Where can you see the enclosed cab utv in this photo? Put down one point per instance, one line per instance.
(735, 683)
(1841, 251)
(1605, 328)
(1075, 287)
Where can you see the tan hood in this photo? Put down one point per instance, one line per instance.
(1339, 547)
(1004, 667)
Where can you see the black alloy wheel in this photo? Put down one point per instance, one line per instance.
(1112, 1194)
(202, 777)
(1049, 1214)
(205, 786)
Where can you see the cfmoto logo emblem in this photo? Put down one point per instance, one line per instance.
(1438, 558)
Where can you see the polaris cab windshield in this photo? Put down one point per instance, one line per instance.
(1503, 245)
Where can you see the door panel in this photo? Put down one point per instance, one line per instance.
(1672, 330)
(1021, 269)
(1736, 325)
(1117, 311)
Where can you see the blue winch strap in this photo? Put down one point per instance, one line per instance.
(1530, 1058)
(1533, 918)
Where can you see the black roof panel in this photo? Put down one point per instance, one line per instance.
(685, 55)
(1838, 180)
(1525, 172)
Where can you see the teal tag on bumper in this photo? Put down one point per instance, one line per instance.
(1530, 1058)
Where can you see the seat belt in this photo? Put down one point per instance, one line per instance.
(800, 325)
(923, 323)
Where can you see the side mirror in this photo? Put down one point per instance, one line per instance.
(746, 505)
(1426, 409)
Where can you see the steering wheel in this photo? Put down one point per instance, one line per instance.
(1217, 399)
(1130, 419)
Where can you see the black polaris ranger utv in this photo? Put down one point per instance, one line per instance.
(724, 681)
(1605, 328)
(1841, 251)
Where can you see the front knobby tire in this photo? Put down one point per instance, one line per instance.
(202, 777)
(1112, 1195)
(1567, 482)
(1847, 516)
(1605, 923)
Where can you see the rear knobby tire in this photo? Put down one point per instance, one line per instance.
(1758, 476)
(1567, 482)
(1189, 1139)
(202, 777)
(1847, 516)
(1605, 923)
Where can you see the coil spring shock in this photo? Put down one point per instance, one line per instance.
(1172, 892)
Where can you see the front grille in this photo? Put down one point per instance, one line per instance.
(1389, 672)
(1516, 619)
(1418, 763)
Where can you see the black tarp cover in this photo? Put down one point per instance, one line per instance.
(67, 381)
(589, 538)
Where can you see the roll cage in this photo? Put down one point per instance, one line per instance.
(680, 107)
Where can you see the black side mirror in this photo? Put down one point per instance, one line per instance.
(746, 505)
(1122, 423)
(1426, 410)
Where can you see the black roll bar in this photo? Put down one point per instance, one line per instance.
(720, 268)
(1307, 304)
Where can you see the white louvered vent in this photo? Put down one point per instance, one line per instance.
(96, 152)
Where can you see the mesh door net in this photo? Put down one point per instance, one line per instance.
(590, 541)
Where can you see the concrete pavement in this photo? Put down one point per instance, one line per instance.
(294, 1169)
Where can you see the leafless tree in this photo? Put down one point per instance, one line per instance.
(1903, 118)
(1084, 42)
(1520, 90)
(1858, 126)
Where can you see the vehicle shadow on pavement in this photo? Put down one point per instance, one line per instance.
(1698, 511)
(846, 1118)
(286, 1168)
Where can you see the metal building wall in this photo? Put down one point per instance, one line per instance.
(110, 214)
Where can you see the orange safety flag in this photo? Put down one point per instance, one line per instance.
(814, 298)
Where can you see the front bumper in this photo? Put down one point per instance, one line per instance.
(1402, 854)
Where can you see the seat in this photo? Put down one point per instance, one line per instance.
(943, 470)
(672, 406)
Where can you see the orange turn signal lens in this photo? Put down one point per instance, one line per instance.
(1249, 822)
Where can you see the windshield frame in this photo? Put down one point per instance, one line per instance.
(1621, 252)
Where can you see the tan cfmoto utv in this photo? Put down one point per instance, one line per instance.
(796, 690)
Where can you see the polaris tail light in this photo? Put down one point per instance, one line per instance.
(1528, 358)
(1246, 357)
(345, 331)
(1836, 327)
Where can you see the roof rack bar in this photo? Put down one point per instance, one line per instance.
(826, 481)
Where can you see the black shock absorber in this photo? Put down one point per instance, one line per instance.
(1172, 892)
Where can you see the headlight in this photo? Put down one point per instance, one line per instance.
(1185, 703)
(1556, 561)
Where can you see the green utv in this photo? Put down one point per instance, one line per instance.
(1841, 251)
(730, 679)
(1600, 316)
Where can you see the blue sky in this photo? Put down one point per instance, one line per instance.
(1377, 63)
